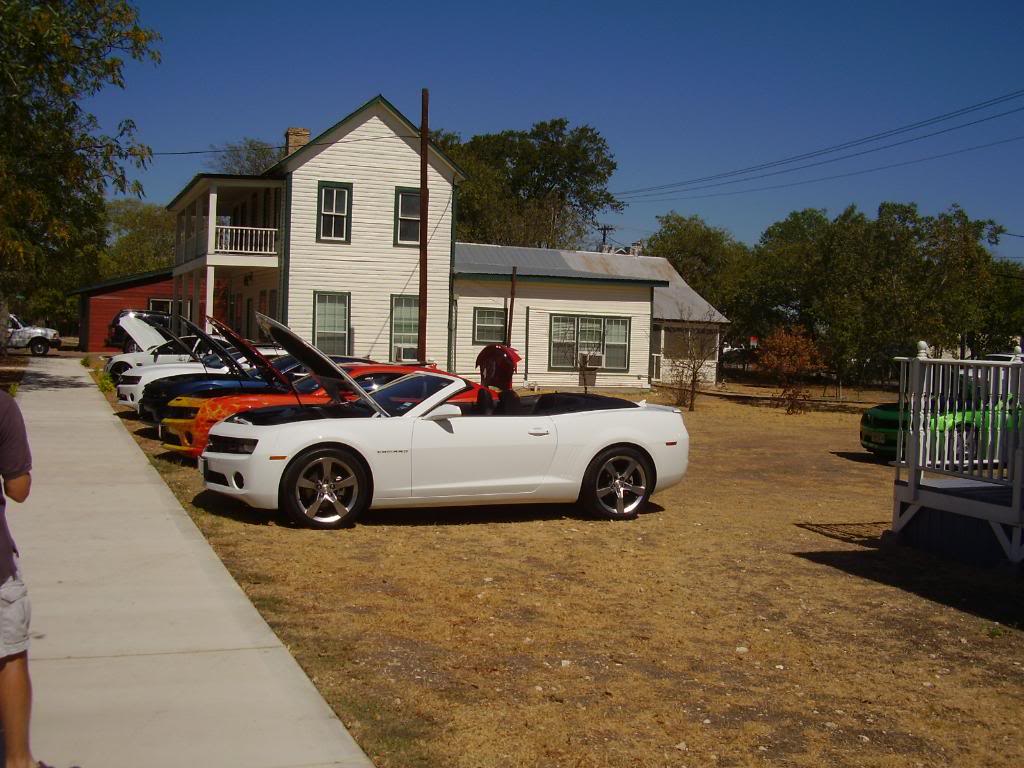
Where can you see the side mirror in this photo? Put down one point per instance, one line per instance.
(444, 412)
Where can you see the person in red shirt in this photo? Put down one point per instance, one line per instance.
(15, 684)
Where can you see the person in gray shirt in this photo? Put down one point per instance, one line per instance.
(15, 684)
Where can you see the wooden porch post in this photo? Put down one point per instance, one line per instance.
(917, 418)
(211, 242)
(210, 277)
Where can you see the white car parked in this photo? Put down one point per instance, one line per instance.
(159, 348)
(406, 445)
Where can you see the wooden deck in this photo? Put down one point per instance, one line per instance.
(960, 463)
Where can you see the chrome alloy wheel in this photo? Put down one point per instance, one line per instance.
(621, 485)
(327, 489)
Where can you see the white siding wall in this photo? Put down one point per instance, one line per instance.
(370, 268)
(543, 300)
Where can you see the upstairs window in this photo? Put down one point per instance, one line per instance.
(407, 216)
(335, 212)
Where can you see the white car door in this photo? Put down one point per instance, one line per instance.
(485, 457)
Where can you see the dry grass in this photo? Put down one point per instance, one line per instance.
(750, 618)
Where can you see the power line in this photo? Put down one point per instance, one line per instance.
(838, 175)
(837, 159)
(214, 151)
(835, 147)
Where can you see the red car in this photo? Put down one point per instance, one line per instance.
(187, 428)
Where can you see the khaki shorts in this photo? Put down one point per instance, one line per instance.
(15, 615)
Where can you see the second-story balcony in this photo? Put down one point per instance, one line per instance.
(228, 215)
(259, 240)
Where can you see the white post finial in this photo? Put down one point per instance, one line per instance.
(1017, 352)
(922, 349)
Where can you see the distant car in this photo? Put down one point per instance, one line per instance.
(409, 445)
(879, 429)
(36, 339)
(116, 335)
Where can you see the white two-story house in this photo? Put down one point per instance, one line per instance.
(327, 241)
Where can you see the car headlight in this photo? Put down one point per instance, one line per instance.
(224, 444)
(130, 379)
(237, 418)
(180, 412)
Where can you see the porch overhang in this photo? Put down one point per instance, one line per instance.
(246, 261)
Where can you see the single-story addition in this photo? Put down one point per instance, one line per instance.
(98, 304)
(327, 241)
(630, 319)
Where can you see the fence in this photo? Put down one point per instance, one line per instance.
(962, 418)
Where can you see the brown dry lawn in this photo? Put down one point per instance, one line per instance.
(750, 617)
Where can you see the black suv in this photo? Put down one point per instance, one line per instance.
(116, 337)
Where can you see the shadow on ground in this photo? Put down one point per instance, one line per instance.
(40, 380)
(993, 594)
(862, 457)
(222, 506)
(861, 534)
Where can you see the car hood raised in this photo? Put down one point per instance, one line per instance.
(141, 332)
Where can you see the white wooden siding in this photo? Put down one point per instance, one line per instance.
(543, 300)
(371, 269)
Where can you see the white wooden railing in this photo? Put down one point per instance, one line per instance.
(962, 418)
(245, 240)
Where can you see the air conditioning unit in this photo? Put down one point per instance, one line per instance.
(591, 360)
(406, 355)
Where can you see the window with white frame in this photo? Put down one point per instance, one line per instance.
(335, 212)
(407, 216)
(488, 326)
(600, 342)
(405, 325)
(330, 322)
(160, 305)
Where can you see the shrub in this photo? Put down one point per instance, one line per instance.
(86, 362)
(12, 389)
(105, 383)
(789, 357)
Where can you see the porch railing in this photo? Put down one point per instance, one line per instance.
(962, 418)
(261, 240)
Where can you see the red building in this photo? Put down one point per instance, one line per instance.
(99, 304)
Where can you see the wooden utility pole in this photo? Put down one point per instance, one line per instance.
(511, 306)
(421, 339)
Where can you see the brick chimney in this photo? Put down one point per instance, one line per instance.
(294, 138)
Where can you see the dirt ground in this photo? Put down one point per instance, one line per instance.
(749, 618)
(12, 368)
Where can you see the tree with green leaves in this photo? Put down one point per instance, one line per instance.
(55, 161)
(246, 157)
(141, 238)
(702, 254)
(543, 188)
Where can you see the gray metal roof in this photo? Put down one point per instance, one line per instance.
(673, 298)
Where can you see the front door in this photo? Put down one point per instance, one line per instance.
(481, 457)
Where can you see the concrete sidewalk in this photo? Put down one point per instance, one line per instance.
(145, 652)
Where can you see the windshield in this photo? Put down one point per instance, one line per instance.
(407, 392)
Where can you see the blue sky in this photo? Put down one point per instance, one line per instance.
(679, 90)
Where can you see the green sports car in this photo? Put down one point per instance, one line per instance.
(879, 426)
(880, 429)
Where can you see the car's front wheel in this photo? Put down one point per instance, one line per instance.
(325, 488)
(39, 347)
(617, 483)
(117, 371)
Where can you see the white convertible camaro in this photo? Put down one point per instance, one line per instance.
(405, 445)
